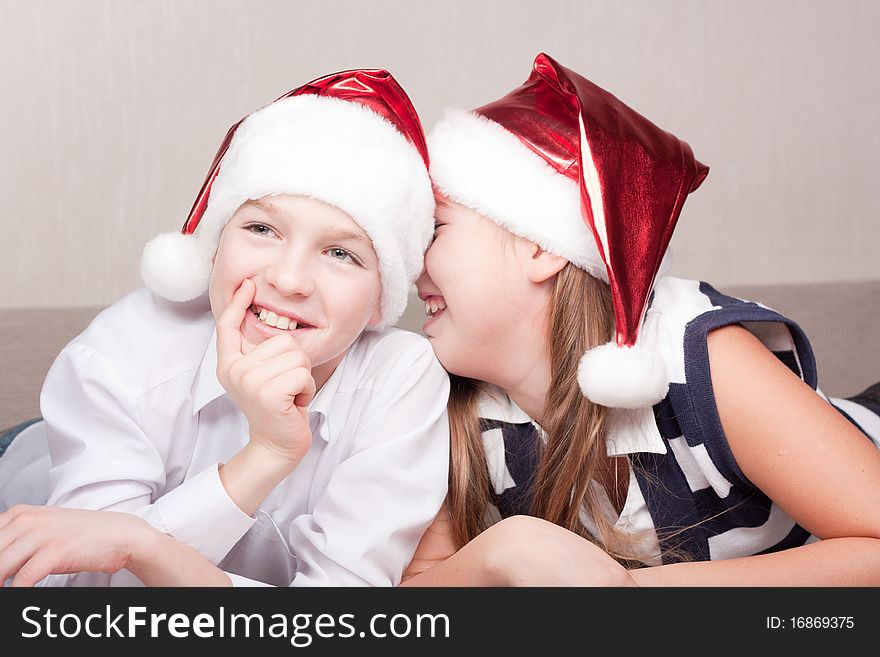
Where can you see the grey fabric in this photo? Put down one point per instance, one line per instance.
(7, 437)
(842, 321)
(30, 338)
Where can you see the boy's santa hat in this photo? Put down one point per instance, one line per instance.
(351, 139)
(563, 163)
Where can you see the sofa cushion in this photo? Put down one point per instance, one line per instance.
(842, 321)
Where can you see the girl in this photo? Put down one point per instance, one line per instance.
(276, 425)
(676, 427)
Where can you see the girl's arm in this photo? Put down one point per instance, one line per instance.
(437, 562)
(517, 551)
(804, 455)
(786, 439)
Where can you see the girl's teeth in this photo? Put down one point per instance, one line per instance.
(282, 323)
(263, 314)
(271, 318)
(431, 307)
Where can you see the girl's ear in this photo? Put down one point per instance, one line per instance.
(543, 265)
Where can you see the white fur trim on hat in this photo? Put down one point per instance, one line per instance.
(622, 377)
(346, 155)
(480, 164)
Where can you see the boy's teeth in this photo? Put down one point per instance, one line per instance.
(272, 319)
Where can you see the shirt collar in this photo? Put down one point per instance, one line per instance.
(629, 431)
(206, 388)
(494, 404)
(633, 430)
(319, 408)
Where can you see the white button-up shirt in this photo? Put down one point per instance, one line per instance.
(137, 421)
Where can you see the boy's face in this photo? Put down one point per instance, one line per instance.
(474, 270)
(312, 265)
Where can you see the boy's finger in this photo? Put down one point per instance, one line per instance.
(304, 398)
(298, 384)
(276, 346)
(275, 367)
(229, 339)
(35, 569)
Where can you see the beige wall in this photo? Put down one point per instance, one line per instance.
(112, 110)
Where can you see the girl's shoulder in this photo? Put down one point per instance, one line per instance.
(682, 315)
(683, 312)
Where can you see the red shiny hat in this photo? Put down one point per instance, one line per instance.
(375, 89)
(351, 139)
(566, 164)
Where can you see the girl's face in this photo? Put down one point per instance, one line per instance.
(315, 270)
(476, 275)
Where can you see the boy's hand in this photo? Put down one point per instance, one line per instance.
(271, 383)
(36, 541)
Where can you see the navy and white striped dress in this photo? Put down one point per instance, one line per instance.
(684, 476)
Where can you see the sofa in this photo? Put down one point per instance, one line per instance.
(842, 320)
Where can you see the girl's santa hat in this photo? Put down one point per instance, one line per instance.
(563, 163)
(351, 139)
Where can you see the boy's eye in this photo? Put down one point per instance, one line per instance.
(259, 229)
(342, 255)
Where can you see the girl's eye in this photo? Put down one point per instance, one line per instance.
(342, 255)
(259, 229)
(437, 225)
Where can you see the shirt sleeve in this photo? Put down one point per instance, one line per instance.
(364, 529)
(103, 459)
(242, 581)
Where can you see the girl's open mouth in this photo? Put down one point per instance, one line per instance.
(434, 305)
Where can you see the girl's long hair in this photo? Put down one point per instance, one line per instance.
(581, 316)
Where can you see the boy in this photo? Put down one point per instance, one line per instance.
(261, 424)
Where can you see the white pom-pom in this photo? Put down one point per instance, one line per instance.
(176, 266)
(622, 377)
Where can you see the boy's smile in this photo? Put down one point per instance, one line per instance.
(314, 269)
(270, 324)
(281, 319)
